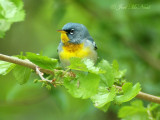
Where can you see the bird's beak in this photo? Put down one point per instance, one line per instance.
(61, 31)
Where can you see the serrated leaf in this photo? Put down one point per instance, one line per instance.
(103, 98)
(84, 87)
(136, 111)
(77, 64)
(86, 65)
(129, 92)
(10, 12)
(42, 61)
(21, 74)
(5, 67)
(108, 77)
(91, 68)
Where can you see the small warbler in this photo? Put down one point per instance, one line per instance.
(76, 42)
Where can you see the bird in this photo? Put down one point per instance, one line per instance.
(76, 42)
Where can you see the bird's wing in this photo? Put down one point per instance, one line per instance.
(92, 41)
(59, 47)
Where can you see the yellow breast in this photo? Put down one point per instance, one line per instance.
(74, 50)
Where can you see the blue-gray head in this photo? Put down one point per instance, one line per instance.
(76, 32)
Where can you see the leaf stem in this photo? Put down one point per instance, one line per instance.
(41, 75)
(26, 63)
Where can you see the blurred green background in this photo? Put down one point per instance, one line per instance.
(126, 30)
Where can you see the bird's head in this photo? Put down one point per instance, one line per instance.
(74, 33)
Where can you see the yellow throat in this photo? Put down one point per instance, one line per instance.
(71, 49)
(64, 37)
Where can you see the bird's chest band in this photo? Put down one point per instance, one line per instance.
(74, 50)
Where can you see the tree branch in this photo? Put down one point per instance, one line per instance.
(25, 63)
(145, 96)
(28, 64)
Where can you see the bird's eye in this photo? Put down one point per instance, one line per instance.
(71, 31)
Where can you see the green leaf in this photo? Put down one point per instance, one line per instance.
(154, 111)
(103, 98)
(108, 77)
(77, 64)
(115, 65)
(42, 61)
(10, 11)
(119, 74)
(86, 65)
(134, 112)
(5, 67)
(129, 92)
(21, 74)
(84, 86)
(105, 107)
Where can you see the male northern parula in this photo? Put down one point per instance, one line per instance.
(76, 42)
